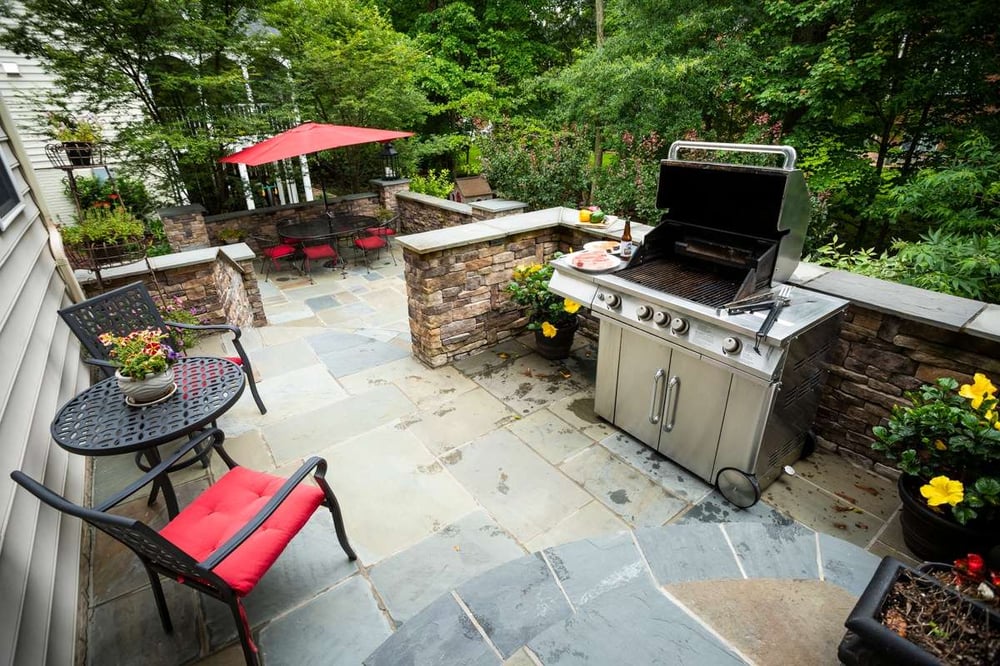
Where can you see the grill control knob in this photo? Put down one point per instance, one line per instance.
(613, 300)
(679, 326)
(661, 318)
(644, 312)
(731, 345)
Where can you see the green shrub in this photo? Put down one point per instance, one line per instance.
(437, 183)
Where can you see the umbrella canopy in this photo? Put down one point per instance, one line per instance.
(310, 138)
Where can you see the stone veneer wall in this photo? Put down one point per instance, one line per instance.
(221, 289)
(894, 338)
(265, 221)
(421, 212)
(184, 227)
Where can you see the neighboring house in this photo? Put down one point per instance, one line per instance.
(40, 369)
(21, 78)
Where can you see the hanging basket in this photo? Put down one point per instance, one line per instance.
(98, 255)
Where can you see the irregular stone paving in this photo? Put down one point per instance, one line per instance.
(451, 481)
(656, 596)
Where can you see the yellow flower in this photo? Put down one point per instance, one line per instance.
(535, 268)
(570, 306)
(940, 445)
(548, 330)
(942, 490)
(978, 390)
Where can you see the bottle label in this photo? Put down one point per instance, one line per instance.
(625, 248)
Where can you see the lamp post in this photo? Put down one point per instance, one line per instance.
(390, 161)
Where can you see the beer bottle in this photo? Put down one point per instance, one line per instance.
(626, 245)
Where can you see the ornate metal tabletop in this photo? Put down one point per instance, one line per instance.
(97, 422)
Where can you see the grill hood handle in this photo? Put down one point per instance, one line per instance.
(787, 151)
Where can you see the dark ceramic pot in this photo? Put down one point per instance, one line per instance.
(937, 536)
(869, 642)
(557, 347)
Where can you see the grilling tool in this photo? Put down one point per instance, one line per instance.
(781, 301)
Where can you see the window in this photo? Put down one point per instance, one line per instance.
(9, 198)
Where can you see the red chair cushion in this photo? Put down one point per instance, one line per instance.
(313, 252)
(234, 359)
(369, 243)
(228, 505)
(380, 231)
(278, 251)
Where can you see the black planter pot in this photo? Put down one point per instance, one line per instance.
(870, 643)
(557, 347)
(936, 536)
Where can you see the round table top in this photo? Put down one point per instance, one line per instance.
(327, 227)
(97, 422)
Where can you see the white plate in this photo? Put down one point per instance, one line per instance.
(601, 246)
(596, 261)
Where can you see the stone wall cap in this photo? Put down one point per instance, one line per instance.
(388, 182)
(207, 255)
(952, 313)
(449, 237)
(498, 205)
(174, 211)
(986, 324)
(437, 202)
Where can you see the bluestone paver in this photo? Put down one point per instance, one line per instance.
(846, 565)
(338, 628)
(591, 567)
(688, 552)
(715, 509)
(514, 601)
(591, 520)
(768, 551)
(549, 435)
(463, 418)
(127, 630)
(673, 478)
(412, 579)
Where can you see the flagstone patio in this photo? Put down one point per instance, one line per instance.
(496, 518)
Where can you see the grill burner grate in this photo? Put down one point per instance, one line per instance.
(684, 280)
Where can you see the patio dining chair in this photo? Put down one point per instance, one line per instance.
(386, 231)
(129, 308)
(273, 250)
(317, 250)
(222, 543)
(369, 243)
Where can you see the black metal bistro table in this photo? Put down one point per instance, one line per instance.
(331, 227)
(97, 422)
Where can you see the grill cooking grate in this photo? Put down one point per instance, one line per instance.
(686, 281)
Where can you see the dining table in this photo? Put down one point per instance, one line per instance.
(333, 228)
(98, 421)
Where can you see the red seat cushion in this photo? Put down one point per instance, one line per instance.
(319, 252)
(278, 251)
(234, 359)
(228, 505)
(380, 231)
(369, 243)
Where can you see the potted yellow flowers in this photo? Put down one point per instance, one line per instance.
(552, 317)
(947, 444)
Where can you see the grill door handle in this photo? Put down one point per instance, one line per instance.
(673, 391)
(654, 418)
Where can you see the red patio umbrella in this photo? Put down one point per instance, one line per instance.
(310, 138)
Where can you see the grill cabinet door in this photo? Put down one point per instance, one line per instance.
(642, 376)
(697, 391)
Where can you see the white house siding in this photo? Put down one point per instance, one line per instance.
(39, 370)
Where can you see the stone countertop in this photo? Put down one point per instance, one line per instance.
(509, 225)
(929, 307)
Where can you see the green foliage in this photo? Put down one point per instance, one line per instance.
(435, 183)
(132, 192)
(104, 223)
(529, 288)
(174, 311)
(943, 434)
(63, 126)
(538, 166)
(626, 185)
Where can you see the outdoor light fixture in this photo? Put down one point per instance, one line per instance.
(390, 160)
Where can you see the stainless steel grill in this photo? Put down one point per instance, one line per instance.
(729, 396)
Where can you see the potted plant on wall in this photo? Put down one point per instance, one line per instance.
(947, 445)
(552, 317)
(105, 234)
(78, 134)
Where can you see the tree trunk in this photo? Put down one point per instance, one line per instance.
(598, 138)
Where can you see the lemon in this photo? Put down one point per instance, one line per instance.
(584, 215)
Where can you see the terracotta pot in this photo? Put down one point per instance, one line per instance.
(557, 347)
(937, 536)
(79, 153)
(150, 389)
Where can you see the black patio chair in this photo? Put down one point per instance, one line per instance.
(251, 514)
(129, 308)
